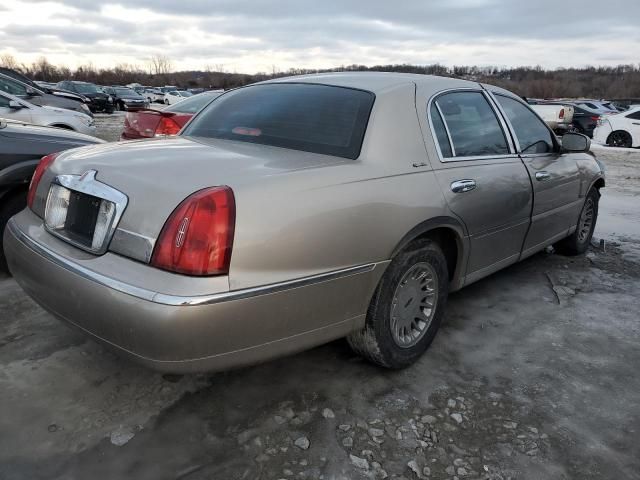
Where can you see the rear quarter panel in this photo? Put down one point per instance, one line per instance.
(351, 213)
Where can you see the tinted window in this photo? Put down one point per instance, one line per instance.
(86, 88)
(441, 132)
(193, 104)
(634, 116)
(532, 133)
(12, 87)
(4, 102)
(313, 118)
(473, 126)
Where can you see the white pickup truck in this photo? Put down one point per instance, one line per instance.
(558, 117)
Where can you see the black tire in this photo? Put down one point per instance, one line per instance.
(376, 341)
(108, 111)
(578, 242)
(619, 138)
(9, 206)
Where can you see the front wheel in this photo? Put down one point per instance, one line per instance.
(407, 308)
(578, 242)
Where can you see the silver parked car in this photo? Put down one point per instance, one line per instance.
(14, 108)
(293, 212)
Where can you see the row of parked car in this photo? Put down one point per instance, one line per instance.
(616, 124)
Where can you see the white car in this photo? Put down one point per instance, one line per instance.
(558, 117)
(14, 108)
(621, 130)
(174, 96)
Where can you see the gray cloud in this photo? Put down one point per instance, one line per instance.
(502, 32)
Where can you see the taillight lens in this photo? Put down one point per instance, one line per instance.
(595, 118)
(198, 236)
(45, 163)
(561, 113)
(167, 126)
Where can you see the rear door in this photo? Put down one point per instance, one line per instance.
(482, 178)
(555, 176)
(634, 127)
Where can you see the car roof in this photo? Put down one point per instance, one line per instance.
(377, 81)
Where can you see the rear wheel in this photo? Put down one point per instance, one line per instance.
(619, 138)
(407, 308)
(579, 240)
(9, 206)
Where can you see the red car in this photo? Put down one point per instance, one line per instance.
(167, 121)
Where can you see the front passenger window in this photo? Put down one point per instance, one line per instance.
(14, 88)
(533, 135)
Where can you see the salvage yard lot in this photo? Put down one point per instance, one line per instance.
(533, 375)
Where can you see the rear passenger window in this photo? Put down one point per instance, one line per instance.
(533, 135)
(634, 116)
(441, 132)
(472, 124)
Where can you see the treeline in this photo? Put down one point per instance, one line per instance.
(622, 81)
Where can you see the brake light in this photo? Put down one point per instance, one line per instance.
(197, 238)
(595, 118)
(45, 163)
(167, 126)
(561, 113)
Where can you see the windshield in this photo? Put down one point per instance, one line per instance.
(193, 104)
(86, 88)
(309, 117)
(185, 94)
(124, 91)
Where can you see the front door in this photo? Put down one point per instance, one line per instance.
(482, 178)
(20, 114)
(554, 175)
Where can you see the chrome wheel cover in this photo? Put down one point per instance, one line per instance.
(414, 305)
(586, 220)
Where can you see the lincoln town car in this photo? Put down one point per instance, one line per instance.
(300, 210)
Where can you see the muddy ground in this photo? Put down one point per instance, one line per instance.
(534, 375)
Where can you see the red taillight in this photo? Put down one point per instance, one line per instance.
(45, 162)
(595, 118)
(167, 126)
(561, 113)
(197, 238)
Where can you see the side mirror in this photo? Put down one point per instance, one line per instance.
(15, 105)
(31, 92)
(575, 142)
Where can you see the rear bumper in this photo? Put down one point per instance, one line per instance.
(601, 134)
(181, 333)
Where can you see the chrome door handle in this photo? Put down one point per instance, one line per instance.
(461, 186)
(542, 176)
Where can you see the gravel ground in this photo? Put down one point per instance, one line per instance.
(533, 375)
(109, 127)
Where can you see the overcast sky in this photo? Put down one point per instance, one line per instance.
(256, 35)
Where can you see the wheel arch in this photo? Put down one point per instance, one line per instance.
(62, 125)
(449, 234)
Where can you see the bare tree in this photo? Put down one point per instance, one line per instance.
(160, 65)
(8, 61)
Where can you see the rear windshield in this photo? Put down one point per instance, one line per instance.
(309, 117)
(193, 104)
